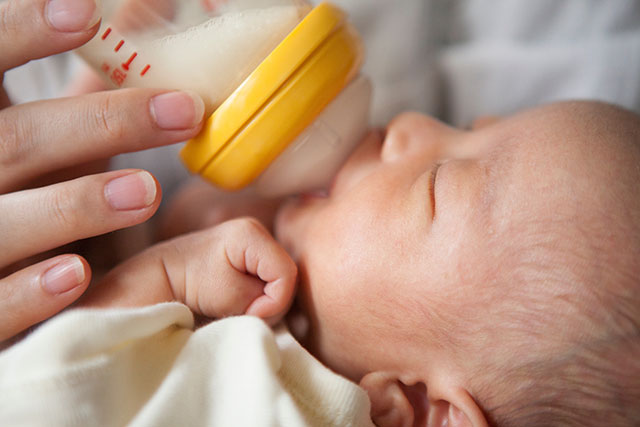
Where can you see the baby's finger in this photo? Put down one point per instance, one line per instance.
(254, 251)
(39, 291)
(49, 135)
(31, 29)
(232, 295)
(37, 220)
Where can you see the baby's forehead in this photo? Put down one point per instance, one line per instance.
(569, 169)
(568, 128)
(578, 138)
(549, 164)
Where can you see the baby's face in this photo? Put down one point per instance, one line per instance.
(420, 220)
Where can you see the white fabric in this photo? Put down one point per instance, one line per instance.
(147, 367)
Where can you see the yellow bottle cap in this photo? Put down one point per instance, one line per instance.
(282, 96)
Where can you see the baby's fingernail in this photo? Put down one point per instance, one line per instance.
(64, 276)
(72, 15)
(177, 110)
(131, 192)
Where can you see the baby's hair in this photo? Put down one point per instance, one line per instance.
(592, 384)
(553, 338)
(571, 329)
(573, 334)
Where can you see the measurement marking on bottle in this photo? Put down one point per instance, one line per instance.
(129, 61)
(119, 45)
(144, 70)
(118, 77)
(106, 33)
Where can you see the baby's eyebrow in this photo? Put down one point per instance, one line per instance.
(432, 189)
(488, 176)
(491, 173)
(496, 170)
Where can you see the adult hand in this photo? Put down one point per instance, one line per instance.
(45, 136)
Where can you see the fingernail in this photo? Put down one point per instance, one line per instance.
(64, 276)
(131, 192)
(72, 15)
(177, 110)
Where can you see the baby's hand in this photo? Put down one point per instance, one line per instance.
(234, 268)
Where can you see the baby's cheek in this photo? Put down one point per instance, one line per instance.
(339, 329)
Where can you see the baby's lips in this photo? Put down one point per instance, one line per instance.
(315, 194)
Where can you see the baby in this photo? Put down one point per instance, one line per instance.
(462, 278)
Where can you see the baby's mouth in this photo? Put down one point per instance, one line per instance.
(315, 194)
(320, 193)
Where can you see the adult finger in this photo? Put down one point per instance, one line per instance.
(39, 291)
(49, 135)
(37, 220)
(31, 29)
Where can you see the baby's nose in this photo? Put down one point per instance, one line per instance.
(413, 134)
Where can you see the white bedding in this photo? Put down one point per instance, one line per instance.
(147, 367)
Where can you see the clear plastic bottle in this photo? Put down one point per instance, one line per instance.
(279, 78)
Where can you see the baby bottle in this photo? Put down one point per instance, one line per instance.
(280, 81)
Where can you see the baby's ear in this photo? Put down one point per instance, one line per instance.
(398, 403)
(390, 406)
(453, 407)
(444, 413)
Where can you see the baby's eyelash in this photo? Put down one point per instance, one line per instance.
(432, 188)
